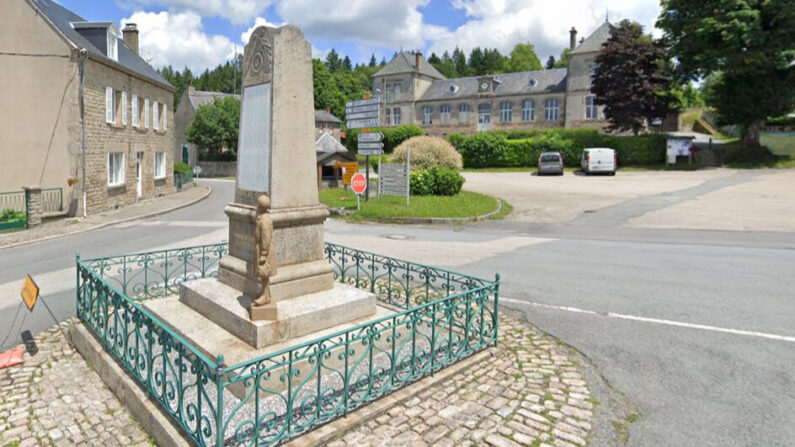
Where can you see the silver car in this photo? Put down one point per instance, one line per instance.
(550, 163)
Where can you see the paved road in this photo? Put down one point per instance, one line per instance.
(696, 327)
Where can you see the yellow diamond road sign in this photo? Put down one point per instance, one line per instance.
(30, 292)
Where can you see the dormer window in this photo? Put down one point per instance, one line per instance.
(453, 89)
(113, 44)
(533, 83)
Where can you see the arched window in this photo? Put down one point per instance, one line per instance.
(444, 115)
(591, 111)
(528, 110)
(506, 111)
(463, 113)
(396, 115)
(551, 109)
(426, 116)
(484, 113)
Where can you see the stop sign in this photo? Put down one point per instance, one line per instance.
(358, 183)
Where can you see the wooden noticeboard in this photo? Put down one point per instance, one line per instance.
(350, 169)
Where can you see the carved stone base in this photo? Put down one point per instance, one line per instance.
(267, 312)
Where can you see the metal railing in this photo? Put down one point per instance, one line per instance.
(13, 210)
(441, 318)
(52, 200)
(181, 179)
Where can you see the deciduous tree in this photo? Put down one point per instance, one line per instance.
(215, 125)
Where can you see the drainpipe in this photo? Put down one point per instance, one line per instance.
(81, 59)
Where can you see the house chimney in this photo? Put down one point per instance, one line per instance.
(130, 33)
(572, 38)
(417, 59)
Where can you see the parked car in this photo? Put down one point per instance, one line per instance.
(599, 160)
(550, 163)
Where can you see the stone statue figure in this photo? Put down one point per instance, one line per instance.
(264, 256)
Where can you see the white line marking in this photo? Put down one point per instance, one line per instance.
(704, 327)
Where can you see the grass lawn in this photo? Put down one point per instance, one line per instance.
(780, 143)
(463, 204)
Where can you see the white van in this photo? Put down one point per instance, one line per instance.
(599, 159)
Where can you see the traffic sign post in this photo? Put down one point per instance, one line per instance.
(359, 185)
(363, 114)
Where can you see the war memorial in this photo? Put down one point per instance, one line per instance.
(261, 339)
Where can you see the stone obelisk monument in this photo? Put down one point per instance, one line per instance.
(276, 236)
(276, 156)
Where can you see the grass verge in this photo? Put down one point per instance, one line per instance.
(463, 204)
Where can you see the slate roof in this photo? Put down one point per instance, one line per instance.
(326, 117)
(553, 80)
(200, 97)
(61, 18)
(594, 42)
(328, 144)
(404, 63)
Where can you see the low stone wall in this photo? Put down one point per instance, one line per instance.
(218, 168)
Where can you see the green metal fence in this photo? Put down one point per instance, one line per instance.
(13, 210)
(181, 179)
(440, 318)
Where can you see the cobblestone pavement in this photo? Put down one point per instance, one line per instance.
(528, 394)
(55, 399)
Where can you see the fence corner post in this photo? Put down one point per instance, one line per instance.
(219, 407)
(496, 308)
(34, 207)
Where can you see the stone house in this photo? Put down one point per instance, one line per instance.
(54, 65)
(327, 123)
(413, 91)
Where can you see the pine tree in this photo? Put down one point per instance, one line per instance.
(373, 63)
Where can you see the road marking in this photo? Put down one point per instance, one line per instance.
(704, 327)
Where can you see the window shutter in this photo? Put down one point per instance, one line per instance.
(146, 113)
(165, 117)
(108, 105)
(124, 108)
(156, 115)
(135, 110)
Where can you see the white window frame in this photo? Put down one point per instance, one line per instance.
(388, 92)
(396, 92)
(110, 110)
(146, 113)
(123, 108)
(551, 109)
(136, 122)
(444, 115)
(159, 165)
(427, 115)
(155, 115)
(506, 112)
(591, 109)
(484, 113)
(388, 116)
(396, 116)
(463, 113)
(113, 45)
(528, 111)
(119, 177)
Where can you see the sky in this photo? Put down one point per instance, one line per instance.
(201, 34)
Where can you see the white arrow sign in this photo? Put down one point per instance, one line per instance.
(370, 137)
(370, 145)
(364, 102)
(370, 152)
(359, 109)
(363, 115)
(358, 124)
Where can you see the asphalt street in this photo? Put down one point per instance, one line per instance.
(696, 328)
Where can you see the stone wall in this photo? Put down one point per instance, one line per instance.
(218, 168)
(103, 138)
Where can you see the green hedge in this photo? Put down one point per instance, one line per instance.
(521, 148)
(393, 136)
(435, 181)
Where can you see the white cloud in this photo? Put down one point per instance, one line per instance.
(503, 23)
(384, 23)
(236, 11)
(178, 39)
(259, 21)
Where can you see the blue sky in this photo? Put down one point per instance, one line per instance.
(204, 33)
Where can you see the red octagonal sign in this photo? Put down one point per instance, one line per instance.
(358, 183)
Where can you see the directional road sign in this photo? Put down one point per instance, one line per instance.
(363, 145)
(362, 123)
(373, 137)
(362, 115)
(359, 109)
(364, 102)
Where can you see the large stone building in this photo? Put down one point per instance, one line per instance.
(413, 91)
(52, 61)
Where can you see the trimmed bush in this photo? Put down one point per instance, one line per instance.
(428, 152)
(521, 148)
(182, 168)
(749, 157)
(435, 181)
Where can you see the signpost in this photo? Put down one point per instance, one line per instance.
(363, 114)
(394, 179)
(359, 185)
(350, 169)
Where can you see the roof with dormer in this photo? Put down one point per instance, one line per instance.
(593, 43)
(404, 62)
(519, 83)
(67, 23)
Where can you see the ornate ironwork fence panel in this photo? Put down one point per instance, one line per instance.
(156, 274)
(52, 200)
(441, 318)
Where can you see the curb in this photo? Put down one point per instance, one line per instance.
(436, 220)
(107, 224)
